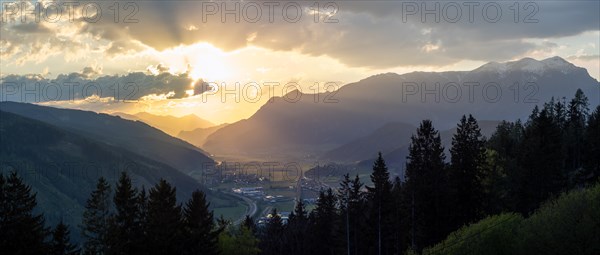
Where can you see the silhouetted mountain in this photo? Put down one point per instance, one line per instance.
(127, 116)
(134, 136)
(63, 166)
(384, 140)
(495, 91)
(198, 136)
(169, 124)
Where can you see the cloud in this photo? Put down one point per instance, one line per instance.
(200, 87)
(584, 57)
(32, 27)
(79, 86)
(158, 69)
(367, 34)
(89, 72)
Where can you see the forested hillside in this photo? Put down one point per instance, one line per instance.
(532, 188)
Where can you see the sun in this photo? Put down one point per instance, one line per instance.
(209, 64)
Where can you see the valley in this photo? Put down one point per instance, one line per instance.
(362, 127)
(296, 149)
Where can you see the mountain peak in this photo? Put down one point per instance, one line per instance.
(529, 65)
(557, 62)
(493, 66)
(555, 58)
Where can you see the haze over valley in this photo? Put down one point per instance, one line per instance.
(343, 127)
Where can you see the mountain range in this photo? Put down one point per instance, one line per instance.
(198, 136)
(378, 113)
(134, 136)
(63, 165)
(296, 127)
(169, 124)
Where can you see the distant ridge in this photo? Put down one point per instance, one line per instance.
(169, 124)
(62, 166)
(134, 136)
(281, 128)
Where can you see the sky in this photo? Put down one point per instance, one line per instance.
(223, 60)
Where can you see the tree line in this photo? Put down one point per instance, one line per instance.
(514, 171)
(518, 168)
(128, 222)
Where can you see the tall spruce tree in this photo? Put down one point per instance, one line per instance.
(96, 218)
(574, 137)
(354, 229)
(539, 172)
(346, 228)
(357, 207)
(399, 217)
(141, 223)
(164, 220)
(466, 172)
(380, 206)
(427, 188)
(592, 152)
(61, 241)
(324, 223)
(503, 148)
(21, 230)
(124, 224)
(297, 230)
(200, 235)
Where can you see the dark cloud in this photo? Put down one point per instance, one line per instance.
(89, 72)
(31, 27)
(368, 33)
(201, 86)
(77, 86)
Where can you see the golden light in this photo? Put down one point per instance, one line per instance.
(209, 64)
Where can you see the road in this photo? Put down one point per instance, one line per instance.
(250, 210)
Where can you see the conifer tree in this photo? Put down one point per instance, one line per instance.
(96, 217)
(427, 188)
(61, 241)
(200, 235)
(358, 221)
(502, 169)
(380, 206)
(141, 223)
(539, 172)
(296, 230)
(466, 172)
(399, 218)
(124, 225)
(21, 230)
(164, 220)
(574, 137)
(592, 152)
(324, 223)
(354, 228)
(344, 207)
